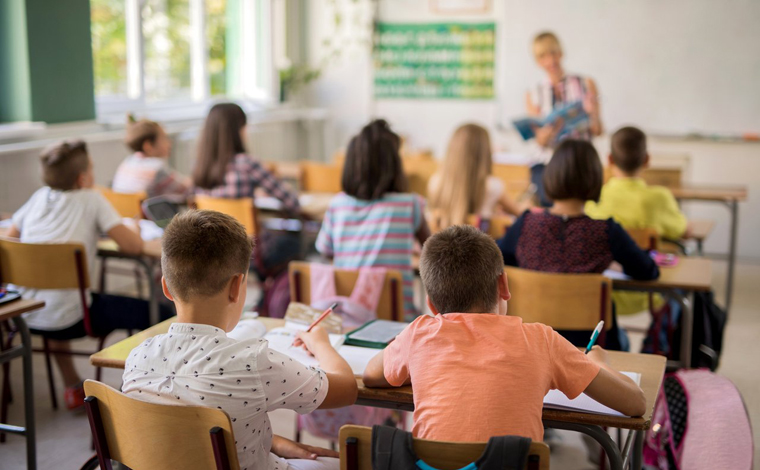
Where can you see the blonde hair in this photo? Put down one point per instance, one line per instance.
(545, 42)
(139, 132)
(462, 183)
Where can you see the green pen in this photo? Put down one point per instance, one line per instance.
(594, 336)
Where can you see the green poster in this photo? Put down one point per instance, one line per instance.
(434, 60)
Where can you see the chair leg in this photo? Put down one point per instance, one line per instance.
(49, 367)
(139, 280)
(99, 370)
(103, 275)
(6, 395)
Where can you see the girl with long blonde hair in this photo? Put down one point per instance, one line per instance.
(464, 185)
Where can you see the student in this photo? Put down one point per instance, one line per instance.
(67, 209)
(205, 266)
(476, 371)
(465, 185)
(147, 169)
(628, 199)
(224, 169)
(563, 239)
(374, 222)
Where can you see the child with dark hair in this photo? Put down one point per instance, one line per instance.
(147, 169)
(563, 239)
(205, 265)
(472, 350)
(67, 209)
(374, 222)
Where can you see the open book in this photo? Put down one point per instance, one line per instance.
(573, 116)
(583, 403)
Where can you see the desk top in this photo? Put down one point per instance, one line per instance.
(15, 308)
(691, 274)
(151, 248)
(700, 229)
(710, 193)
(650, 367)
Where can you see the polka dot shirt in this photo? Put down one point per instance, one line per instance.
(199, 365)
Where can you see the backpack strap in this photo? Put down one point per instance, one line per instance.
(505, 453)
(391, 448)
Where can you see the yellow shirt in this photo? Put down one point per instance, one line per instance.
(634, 204)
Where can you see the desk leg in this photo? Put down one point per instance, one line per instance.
(687, 329)
(733, 206)
(153, 315)
(638, 451)
(29, 433)
(596, 433)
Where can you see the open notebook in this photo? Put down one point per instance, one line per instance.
(583, 403)
(280, 340)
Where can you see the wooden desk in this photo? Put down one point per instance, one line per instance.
(13, 311)
(691, 274)
(313, 205)
(700, 229)
(730, 196)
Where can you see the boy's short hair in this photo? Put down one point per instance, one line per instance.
(460, 268)
(139, 132)
(629, 149)
(62, 163)
(545, 41)
(574, 172)
(373, 165)
(201, 251)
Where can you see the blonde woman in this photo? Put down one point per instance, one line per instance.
(464, 185)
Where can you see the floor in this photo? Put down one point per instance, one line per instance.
(64, 438)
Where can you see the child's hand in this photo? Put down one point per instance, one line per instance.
(314, 340)
(288, 449)
(598, 355)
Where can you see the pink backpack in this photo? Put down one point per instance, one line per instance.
(699, 423)
(355, 311)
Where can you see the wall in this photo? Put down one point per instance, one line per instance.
(345, 89)
(15, 104)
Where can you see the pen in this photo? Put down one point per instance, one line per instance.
(319, 319)
(594, 336)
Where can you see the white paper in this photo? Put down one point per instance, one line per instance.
(248, 329)
(583, 403)
(612, 274)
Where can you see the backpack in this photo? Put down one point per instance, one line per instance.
(699, 422)
(707, 333)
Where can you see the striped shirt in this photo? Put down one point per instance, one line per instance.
(151, 175)
(378, 233)
(244, 175)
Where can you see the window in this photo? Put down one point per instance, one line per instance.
(165, 53)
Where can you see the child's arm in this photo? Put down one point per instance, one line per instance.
(508, 243)
(613, 389)
(342, 389)
(128, 240)
(374, 375)
(672, 221)
(13, 232)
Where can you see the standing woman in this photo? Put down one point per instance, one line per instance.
(557, 90)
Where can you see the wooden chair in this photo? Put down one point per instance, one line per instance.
(50, 266)
(320, 178)
(356, 451)
(145, 435)
(645, 238)
(571, 302)
(126, 204)
(390, 306)
(418, 172)
(516, 178)
(496, 226)
(243, 210)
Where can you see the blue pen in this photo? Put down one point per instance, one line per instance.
(594, 336)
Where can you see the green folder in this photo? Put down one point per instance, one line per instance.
(375, 334)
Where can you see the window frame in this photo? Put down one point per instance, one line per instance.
(256, 86)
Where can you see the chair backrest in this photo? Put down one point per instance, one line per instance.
(126, 204)
(562, 301)
(320, 178)
(418, 171)
(645, 238)
(243, 210)
(390, 306)
(356, 451)
(496, 226)
(144, 435)
(511, 173)
(43, 265)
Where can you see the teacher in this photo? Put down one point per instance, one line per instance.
(557, 90)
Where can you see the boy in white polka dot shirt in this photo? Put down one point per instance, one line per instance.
(205, 263)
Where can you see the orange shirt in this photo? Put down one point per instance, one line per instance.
(479, 375)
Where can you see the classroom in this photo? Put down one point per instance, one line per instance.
(379, 234)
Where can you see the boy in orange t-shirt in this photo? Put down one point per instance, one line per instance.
(477, 372)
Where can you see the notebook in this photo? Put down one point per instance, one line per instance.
(583, 403)
(375, 334)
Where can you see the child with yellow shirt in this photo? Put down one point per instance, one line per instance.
(628, 199)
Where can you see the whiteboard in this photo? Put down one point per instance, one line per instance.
(672, 67)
